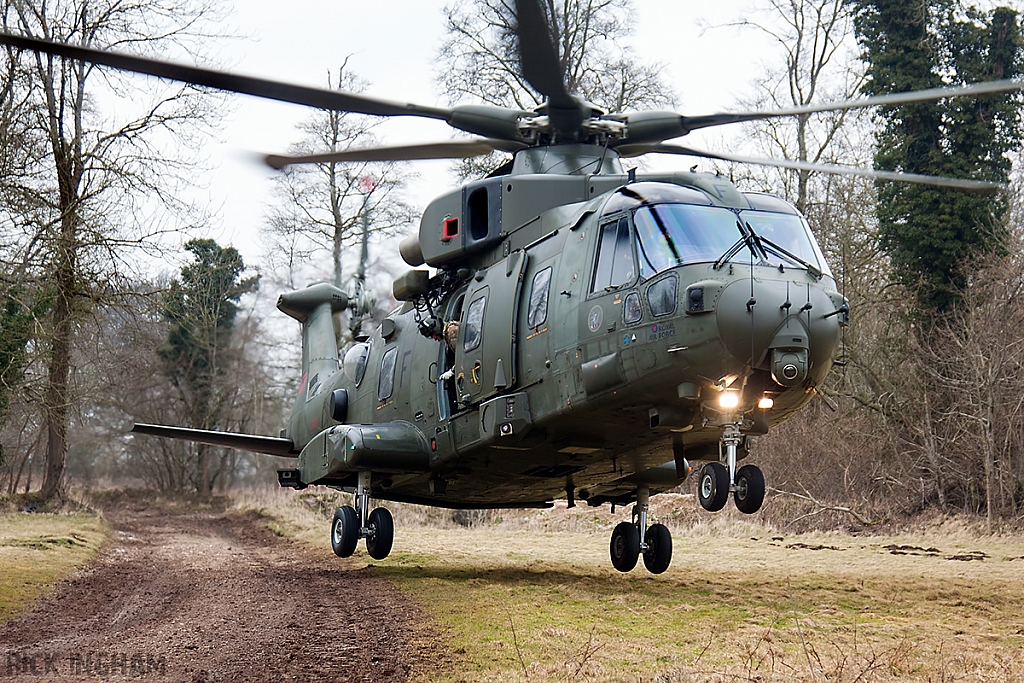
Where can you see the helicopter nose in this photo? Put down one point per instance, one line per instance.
(781, 326)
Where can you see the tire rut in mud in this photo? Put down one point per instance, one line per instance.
(216, 596)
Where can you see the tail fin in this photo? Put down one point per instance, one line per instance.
(313, 307)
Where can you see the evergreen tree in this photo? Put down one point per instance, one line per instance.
(16, 321)
(932, 235)
(201, 307)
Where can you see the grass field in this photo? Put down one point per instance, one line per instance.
(531, 596)
(37, 550)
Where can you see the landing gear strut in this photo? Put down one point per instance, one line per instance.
(718, 480)
(631, 539)
(351, 524)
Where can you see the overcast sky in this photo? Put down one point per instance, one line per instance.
(392, 44)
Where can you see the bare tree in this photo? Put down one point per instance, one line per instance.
(335, 206)
(975, 366)
(815, 39)
(105, 186)
(121, 356)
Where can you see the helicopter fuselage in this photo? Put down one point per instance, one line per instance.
(596, 340)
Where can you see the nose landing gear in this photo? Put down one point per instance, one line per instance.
(351, 524)
(716, 482)
(631, 539)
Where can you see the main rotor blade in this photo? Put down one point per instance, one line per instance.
(542, 68)
(246, 85)
(958, 183)
(975, 89)
(454, 149)
(537, 53)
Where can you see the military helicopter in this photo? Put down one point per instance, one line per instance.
(580, 331)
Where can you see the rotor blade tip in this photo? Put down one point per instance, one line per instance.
(276, 162)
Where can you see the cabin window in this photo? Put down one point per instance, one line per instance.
(631, 309)
(661, 296)
(474, 324)
(355, 362)
(386, 385)
(538, 312)
(614, 257)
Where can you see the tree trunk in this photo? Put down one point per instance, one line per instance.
(205, 484)
(56, 397)
(990, 465)
(931, 450)
(803, 176)
(56, 402)
(67, 158)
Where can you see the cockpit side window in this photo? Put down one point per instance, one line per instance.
(615, 266)
(661, 296)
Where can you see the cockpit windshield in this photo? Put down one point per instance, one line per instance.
(784, 236)
(670, 234)
(673, 234)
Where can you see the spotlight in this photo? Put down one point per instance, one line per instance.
(766, 403)
(729, 399)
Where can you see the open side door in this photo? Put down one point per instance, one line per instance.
(485, 357)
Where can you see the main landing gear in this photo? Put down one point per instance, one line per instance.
(351, 524)
(716, 481)
(631, 539)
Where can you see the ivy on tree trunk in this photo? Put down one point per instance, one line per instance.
(933, 236)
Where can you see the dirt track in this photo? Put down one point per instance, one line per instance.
(215, 596)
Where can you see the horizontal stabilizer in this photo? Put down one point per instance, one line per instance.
(244, 442)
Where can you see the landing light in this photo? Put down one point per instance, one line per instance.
(729, 399)
(766, 403)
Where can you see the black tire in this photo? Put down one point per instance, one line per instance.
(344, 531)
(625, 546)
(749, 493)
(382, 533)
(713, 486)
(658, 555)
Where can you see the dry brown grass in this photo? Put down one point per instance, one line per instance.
(531, 596)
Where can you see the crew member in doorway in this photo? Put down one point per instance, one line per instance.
(451, 334)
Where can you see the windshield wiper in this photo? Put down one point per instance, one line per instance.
(768, 246)
(743, 241)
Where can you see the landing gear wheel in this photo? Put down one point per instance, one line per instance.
(713, 486)
(382, 533)
(345, 531)
(625, 546)
(749, 493)
(659, 549)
